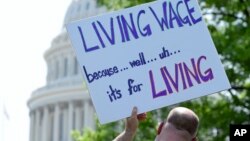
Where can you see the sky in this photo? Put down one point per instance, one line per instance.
(27, 28)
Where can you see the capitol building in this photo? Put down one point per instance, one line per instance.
(63, 104)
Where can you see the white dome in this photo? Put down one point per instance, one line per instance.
(80, 9)
(63, 104)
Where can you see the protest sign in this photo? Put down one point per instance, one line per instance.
(150, 56)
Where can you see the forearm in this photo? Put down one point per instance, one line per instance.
(125, 136)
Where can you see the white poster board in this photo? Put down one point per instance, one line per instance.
(150, 56)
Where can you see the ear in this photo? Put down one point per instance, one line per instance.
(160, 128)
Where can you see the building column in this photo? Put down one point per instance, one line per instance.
(70, 120)
(86, 114)
(45, 124)
(37, 125)
(78, 118)
(92, 118)
(65, 124)
(56, 123)
(32, 126)
(50, 126)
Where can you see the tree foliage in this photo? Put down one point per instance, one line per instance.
(228, 22)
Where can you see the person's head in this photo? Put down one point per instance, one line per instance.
(180, 125)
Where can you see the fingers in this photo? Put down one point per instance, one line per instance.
(142, 116)
(134, 112)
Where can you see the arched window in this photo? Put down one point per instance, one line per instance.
(75, 66)
(48, 71)
(87, 5)
(78, 8)
(57, 69)
(65, 67)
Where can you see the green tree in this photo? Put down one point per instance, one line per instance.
(228, 22)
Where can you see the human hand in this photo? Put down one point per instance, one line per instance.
(131, 126)
(133, 121)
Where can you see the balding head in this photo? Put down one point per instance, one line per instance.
(180, 125)
(184, 119)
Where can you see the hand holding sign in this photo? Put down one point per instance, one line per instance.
(149, 56)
